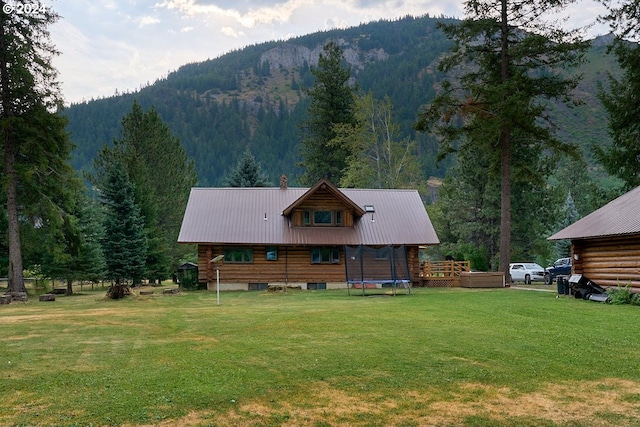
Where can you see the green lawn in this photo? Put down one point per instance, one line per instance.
(439, 357)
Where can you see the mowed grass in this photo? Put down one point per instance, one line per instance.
(439, 357)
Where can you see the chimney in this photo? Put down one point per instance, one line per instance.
(283, 182)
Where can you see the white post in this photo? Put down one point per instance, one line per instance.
(217, 260)
(218, 281)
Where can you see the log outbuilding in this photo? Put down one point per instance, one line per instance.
(605, 245)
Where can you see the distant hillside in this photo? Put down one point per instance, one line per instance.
(252, 98)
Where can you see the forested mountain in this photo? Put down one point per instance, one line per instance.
(252, 98)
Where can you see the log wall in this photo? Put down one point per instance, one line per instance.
(608, 262)
(292, 266)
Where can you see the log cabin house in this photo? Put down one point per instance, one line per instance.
(297, 237)
(605, 245)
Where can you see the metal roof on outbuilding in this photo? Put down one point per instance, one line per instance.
(617, 218)
(255, 216)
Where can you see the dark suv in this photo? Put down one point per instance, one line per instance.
(561, 267)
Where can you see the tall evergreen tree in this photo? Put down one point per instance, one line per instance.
(162, 176)
(621, 98)
(563, 247)
(125, 240)
(73, 250)
(247, 173)
(622, 157)
(35, 145)
(90, 261)
(331, 105)
(510, 59)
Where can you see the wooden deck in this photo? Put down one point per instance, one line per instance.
(442, 273)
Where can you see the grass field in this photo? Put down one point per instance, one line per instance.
(439, 357)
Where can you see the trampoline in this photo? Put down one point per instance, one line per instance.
(371, 268)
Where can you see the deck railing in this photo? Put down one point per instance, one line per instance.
(443, 273)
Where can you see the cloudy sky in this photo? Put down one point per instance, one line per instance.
(110, 45)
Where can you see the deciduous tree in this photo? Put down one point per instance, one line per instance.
(379, 157)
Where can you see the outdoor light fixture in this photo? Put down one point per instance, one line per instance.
(217, 261)
(370, 209)
(576, 257)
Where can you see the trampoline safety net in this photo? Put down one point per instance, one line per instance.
(369, 267)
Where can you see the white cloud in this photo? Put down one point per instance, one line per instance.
(148, 20)
(228, 31)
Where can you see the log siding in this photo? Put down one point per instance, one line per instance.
(293, 266)
(608, 261)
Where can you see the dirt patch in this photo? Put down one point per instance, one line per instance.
(598, 404)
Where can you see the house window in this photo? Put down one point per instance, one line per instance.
(325, 256)
(314, 286)
(322, 217)
(272, 253)
(238, 255)
(258, 286)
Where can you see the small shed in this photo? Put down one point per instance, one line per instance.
(188, 275)
(605, 245)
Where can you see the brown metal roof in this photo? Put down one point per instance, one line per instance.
(619, 217)
(255, 216)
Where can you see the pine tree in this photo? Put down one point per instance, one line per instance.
(72, 250)
(157, 165)
(35, 145)
(331, 105)
(563, 247)
(621, 102)
(621, 98)
(509, 58)
(125, 241)
(247, 173)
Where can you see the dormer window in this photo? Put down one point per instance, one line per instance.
(323, 205)
(323, 217)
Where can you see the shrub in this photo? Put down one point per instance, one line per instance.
(621, 295)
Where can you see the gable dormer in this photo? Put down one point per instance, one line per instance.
(323, 205)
